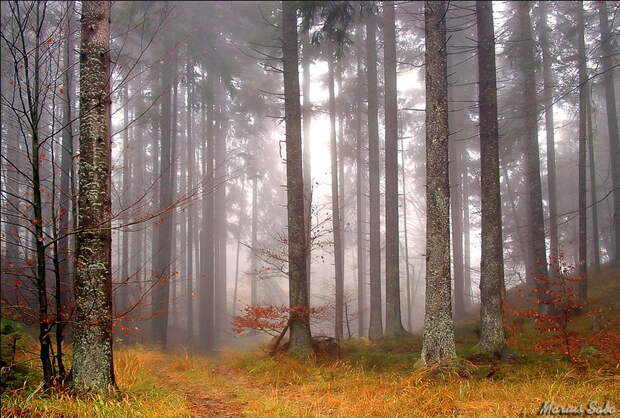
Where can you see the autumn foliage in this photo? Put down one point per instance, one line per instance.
(556, 331)
(272, 319)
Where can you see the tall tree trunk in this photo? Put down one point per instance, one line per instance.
(532, 155)
(336, 226)
(456, 216)
(207, 270)
(254, 300)
(191, 155)
(612, 122)
(407, 266)
(122, 297)
(161, 291)
(240, 226)
(583, 102)
(93, 368)
(492, 339)
(438, 343)
(393, 320)
(66, 191)
(137, 237)
(375, 330)
(466, 235)
(341, 114)
(359, 184)
(548, 82)
(307, 157)
(221, 226)
(596, 252)
(299, 321)
(457, 122)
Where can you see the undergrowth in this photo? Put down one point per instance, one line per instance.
(368, 379)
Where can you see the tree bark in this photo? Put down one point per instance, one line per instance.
(596, 251)
(336, 226)
(583, 100)
(536, 223)
(93, 368)
(393, 320)
(359, 184)
(548, 82)
(438, 343)
(221, 226)
(161, 291)
(307, 155)
(375, 330)
(407, 264)
(492, 339)
(191, 157)
(122, 298)
(207, 244)
(299, 321)
(612, 122)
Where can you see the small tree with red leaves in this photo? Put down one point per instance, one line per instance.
(273, 320)
(561, 297)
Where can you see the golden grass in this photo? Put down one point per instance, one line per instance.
(142, 395)
(338, 389)
(372, 379)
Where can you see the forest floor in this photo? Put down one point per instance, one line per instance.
(368, 379)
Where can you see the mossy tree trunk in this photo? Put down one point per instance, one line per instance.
(492, 339)
(299, 322)
(93, 369)
(438, 343)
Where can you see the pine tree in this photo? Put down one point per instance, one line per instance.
(93, 369)
(299, 322)
(438, 343)
(492, 339)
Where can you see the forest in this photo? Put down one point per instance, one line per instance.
(309, 208)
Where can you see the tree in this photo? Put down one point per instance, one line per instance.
(299, 324)
(93, 368)
(492, 339)
(376, 322)
(583, 99)
(393, 321)
(336, 226)
(543, 37)
(612, 121)
(162, 270)
(438, 343)
(307, 126)
(207, 244)
(359, 184)
(536, 225)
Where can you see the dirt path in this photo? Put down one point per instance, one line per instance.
(210, 389)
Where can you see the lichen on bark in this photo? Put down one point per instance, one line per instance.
(93, 370)
(438, 344)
